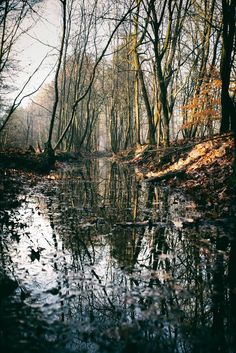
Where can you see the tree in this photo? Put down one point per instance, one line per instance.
(164, 56)
(123, 101)
(228, 121)
(12, 15)
(48, 146)
(203, 68)
(20, 96)
(228, 38)
(141, 79)
(79, 96)
(203, 109)
(75, 75)
(167, 24)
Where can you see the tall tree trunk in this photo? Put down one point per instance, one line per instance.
(228, 121)
(228, 108)
(140, 77)
(136, 109)
(159, 71)
(49, 153)
(164, 104)
(136, 83)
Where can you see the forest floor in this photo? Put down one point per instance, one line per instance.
(202, 169)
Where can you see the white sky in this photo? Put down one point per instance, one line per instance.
(43, 38)
(34, 45)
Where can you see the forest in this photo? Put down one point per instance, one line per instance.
(117, 176)
(126, 74)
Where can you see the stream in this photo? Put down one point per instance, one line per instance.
(94, 260)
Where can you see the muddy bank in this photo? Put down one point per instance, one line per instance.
(31, 161)
(25, 160)
(202, 169)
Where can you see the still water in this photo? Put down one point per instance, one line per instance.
(99, 261)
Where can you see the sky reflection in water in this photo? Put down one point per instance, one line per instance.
(93, 282)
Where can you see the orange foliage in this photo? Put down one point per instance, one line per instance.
(204, 107)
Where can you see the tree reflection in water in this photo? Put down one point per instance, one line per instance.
(127, 266)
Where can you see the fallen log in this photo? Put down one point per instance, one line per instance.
(169, 175)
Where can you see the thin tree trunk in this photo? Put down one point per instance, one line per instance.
(56, 81)
(92, 78)
(136, 109)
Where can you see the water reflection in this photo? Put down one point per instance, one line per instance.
(104, 262)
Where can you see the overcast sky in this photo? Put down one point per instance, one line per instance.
(39, 41)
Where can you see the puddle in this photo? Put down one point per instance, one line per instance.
(100, 262)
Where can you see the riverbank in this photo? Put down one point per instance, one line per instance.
(202, 169)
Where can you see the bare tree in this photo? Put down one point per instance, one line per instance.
(79, 98)
(12, 15)
(228, 51)
(48, 146)
(21, 96)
